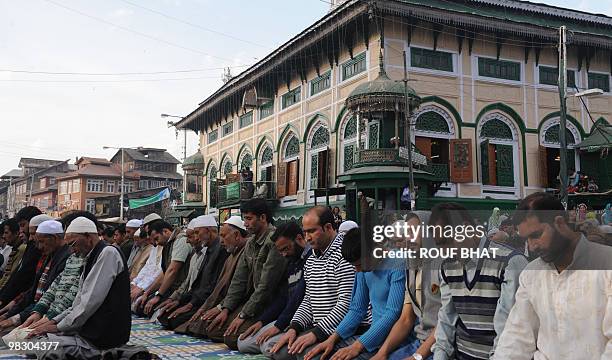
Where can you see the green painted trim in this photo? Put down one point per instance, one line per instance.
(569, 117)
(448, 106)
(260, 144)
(311, 122)
(225, 154)
(532, 131)
(244, 145)
(518, 120)
(469, 125)
(208, 166)
(339, 118)
(287, 128)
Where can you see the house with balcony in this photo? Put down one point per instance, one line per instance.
(323, 118)
(93, 178)
(154, 168)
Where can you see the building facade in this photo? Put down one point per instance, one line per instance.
(487, 123)
(154, 168)
(37, 185)
(93, 178)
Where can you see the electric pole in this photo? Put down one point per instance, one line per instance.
(563, 176)
(407, 134)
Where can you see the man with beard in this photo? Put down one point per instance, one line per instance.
(261, 336)
(128, 240)
(233, 235)
(99, 317)
(563, 307)
(204, 268)
(140, 253)
(174, 262)
(256, 280)
(477, 293)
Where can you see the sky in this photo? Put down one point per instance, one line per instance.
(101, 48)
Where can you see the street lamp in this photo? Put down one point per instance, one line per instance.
(174, 123)
(122, 180)
(589, 92)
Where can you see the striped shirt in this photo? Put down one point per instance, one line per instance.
(329, 284)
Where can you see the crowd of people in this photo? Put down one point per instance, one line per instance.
(310, 290)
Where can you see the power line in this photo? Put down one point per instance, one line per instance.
(108, 81)
(193, 25)
(18, 71)
(135, 31)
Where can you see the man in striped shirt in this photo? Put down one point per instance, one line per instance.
(329, 284)
(476, 293)
(380, 286)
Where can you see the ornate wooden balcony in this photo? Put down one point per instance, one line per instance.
(375, 157)
(234, 193)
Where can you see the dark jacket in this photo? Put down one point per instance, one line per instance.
(126, 248)
(290, 295)
(208, 274)
(110, 325)
(259, 274)
(23, 278)
(58, 262)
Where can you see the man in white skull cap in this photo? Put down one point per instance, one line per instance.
(99, 317)
(204, 268)
(127, 244)
(49, 235)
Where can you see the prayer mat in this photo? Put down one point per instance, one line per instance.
(168, 345)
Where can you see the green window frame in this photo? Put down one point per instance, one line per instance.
(228, 128)
(246, 119)
(599, 81)
(431, 59)
(320, 83)
(266, 110)
(550, 76)
(499, 69)
(213, 136)
(354, 66)
(292, 97)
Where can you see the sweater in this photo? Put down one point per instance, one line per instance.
(62, 291)
(384, 291)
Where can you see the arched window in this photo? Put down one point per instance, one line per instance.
(498, 149)
(549, 151)
(226, 165)
(265, 163)
(246, 160)
(211, 179)
(348, 146)
(287, 181)
(318, 156)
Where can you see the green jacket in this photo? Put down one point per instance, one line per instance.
(257, 277)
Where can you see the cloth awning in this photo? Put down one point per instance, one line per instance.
(600, 138)
(162, 195)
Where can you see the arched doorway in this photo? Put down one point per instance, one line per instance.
(549, 152)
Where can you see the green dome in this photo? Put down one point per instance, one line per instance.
(381, 94)
(195, 161)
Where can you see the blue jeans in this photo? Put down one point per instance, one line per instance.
(407, 350)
